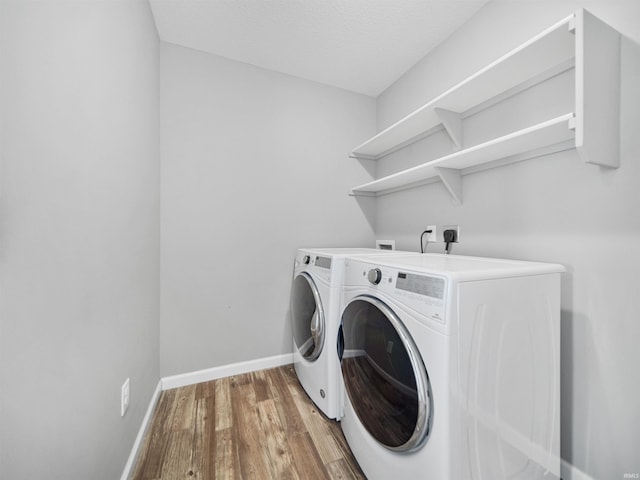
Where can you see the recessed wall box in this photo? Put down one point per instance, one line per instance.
(386, 244)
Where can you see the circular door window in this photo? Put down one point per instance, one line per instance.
(308, 317)
(385, 376)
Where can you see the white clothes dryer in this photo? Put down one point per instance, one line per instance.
(315, 314)
(451, 367)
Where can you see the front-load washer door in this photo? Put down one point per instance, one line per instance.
(384, 375)
(307, 315)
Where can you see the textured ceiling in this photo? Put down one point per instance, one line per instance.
(358, 45)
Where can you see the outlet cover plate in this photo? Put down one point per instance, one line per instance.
(433, 236)
(452, 227)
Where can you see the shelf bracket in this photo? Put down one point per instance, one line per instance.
(452, 122)
(452, 179)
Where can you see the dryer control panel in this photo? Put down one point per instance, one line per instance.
(424, 293)
(421, 284)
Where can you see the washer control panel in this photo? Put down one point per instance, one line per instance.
(321, 267)
(323, 262)
(424, 293)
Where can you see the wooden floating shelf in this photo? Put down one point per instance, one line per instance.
(581, 43)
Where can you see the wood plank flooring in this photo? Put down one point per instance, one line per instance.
(259, 425)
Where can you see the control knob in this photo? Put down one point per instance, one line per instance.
(375, 275)
(306, 259)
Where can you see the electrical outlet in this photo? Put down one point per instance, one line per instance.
(124, 397)
(456, 228)
(433, 236)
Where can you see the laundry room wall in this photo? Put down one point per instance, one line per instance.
(554, 208)
(254, 165)
(79, 234)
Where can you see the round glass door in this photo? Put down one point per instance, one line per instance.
(307, 316)
(384, 376)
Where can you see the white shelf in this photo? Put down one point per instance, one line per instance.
(550, 49)
(552, 132)
(580, 42)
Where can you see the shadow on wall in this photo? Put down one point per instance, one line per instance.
(567, 324)
(368, 207)
(576, 343)
(566, 385)
(287, 332)
(368, 204)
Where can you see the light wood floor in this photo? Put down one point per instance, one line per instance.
(259, 425)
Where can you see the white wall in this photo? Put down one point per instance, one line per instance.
(254, 165)
(554, 209)
(79, 234)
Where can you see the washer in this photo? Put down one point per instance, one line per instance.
(315, 314)
(451, 367)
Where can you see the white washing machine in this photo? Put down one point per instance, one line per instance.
(451, 367)
(315, 314)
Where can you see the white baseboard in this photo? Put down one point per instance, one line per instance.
(184, 379)
(143, 429)
(569, 472)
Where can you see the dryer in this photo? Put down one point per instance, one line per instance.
(451, 367)
(315, 315)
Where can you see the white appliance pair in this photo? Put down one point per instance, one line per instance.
(315, 314)
(450, 364)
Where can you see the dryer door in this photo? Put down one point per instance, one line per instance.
(384, 375)
(307, 315)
